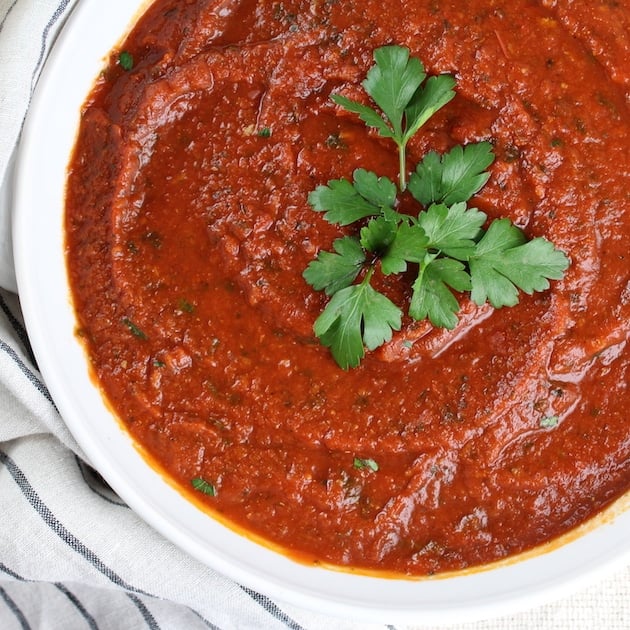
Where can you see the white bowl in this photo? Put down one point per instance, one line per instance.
(48, 139)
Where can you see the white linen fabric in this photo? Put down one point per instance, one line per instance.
(72, 554)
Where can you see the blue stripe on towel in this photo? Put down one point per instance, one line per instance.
(6, 15)
(59, 11)
(14, 608)
(76, 545)
(273, 609)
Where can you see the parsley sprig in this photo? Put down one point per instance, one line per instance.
(396, 83)
(446, 241)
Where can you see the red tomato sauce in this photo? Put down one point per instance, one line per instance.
(188, 230)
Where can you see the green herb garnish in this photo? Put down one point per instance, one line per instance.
(549, 422)
(446, 241)
(361, 464)
(406, 101)
(125, 60)
(203, 486)
(135, 330)
(185, 306)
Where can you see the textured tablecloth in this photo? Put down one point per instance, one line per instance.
(72, 555)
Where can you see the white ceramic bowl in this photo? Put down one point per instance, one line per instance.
(49, 135)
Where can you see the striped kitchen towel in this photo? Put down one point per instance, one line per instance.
(72, 554)
(27, 31)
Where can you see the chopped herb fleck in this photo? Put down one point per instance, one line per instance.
(125, 60)
(185, 306)
(361, 464)
(203, 486)
(135, 330)
(549, 422)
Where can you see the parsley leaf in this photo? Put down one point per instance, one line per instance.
(409, 245)
(437, 92)
(379, 191)
(504, 261)
(341, 202)
(332, 272)
(432, 297)
(392, 82)
(453, 231)
(378, 235)
(395, 84)
(355, 317)
(345, 202)
(453, 178)
(366, 113)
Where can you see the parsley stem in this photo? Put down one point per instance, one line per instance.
(402, 164)
(368, 276)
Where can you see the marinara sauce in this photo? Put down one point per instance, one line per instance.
(188, 230)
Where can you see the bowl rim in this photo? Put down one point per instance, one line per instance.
(553, 571)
